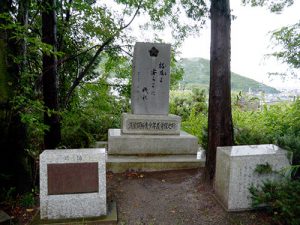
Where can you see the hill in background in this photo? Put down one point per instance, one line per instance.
(196, 74)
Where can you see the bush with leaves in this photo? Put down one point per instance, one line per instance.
(192, 107)
(281, 199)
(278, 124)
(182, 102)
(197, 125)
(89, 118)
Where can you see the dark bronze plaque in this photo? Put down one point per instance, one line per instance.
(72, 178)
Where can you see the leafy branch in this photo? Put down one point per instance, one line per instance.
(82, 74)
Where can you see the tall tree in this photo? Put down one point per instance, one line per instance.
(14, 163)
(50, 81)
(220, 128)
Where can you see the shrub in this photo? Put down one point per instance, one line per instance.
(182, 102)
(192, 107)
(278, 124)
(27, 200)
(196, 125)
(291, 142)
(90, 118)
(281, 199)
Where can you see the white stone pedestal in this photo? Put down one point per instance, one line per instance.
(235, 172)
(129, 144)
(72, 183)
(150, 132)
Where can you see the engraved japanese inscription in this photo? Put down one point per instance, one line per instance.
(151, 125)
(151, 79)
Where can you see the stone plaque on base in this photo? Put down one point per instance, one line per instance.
(150, 124)
(72, 183)
(235, 172)
(71, 178)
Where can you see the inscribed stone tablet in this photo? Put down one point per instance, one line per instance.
(71, 178)
(150, 124)
(72, 183)
(151, 79)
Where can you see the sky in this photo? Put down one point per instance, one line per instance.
(250, 42)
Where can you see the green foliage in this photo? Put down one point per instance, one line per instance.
(263, 168)
(3, 75)
(288, 38)
(92, 114)
(30, 107)
(291, 142)
(278, 124)
(249, 127)
(193, 10)
(176, 72)
(281, 200)
(197, 125)
(192, 107)
(182, 102)
(8, 196)
(27, 200)
(291, 172)
(274, 6)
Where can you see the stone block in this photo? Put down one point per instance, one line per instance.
(4, 218)
(123, 163)
(72, 183)
(150, 124)
(111, 218)
(151, 79)
(127, 144)
(235, 172)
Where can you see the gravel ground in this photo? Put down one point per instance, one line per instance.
(172, 198)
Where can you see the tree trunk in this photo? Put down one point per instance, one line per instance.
(14, 161)
(220, 128)
(50, 81)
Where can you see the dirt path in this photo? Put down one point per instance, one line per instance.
(172, 198)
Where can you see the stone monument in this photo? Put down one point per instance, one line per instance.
(72, 183)
(151, 79)
(236, 172)
(150, 129)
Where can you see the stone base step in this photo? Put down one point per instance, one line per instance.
(110, 219)
(122, 163)
(130, 144)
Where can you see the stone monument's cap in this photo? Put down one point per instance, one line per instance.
(151, 79)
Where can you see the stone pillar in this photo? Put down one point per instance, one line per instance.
(150, 129)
